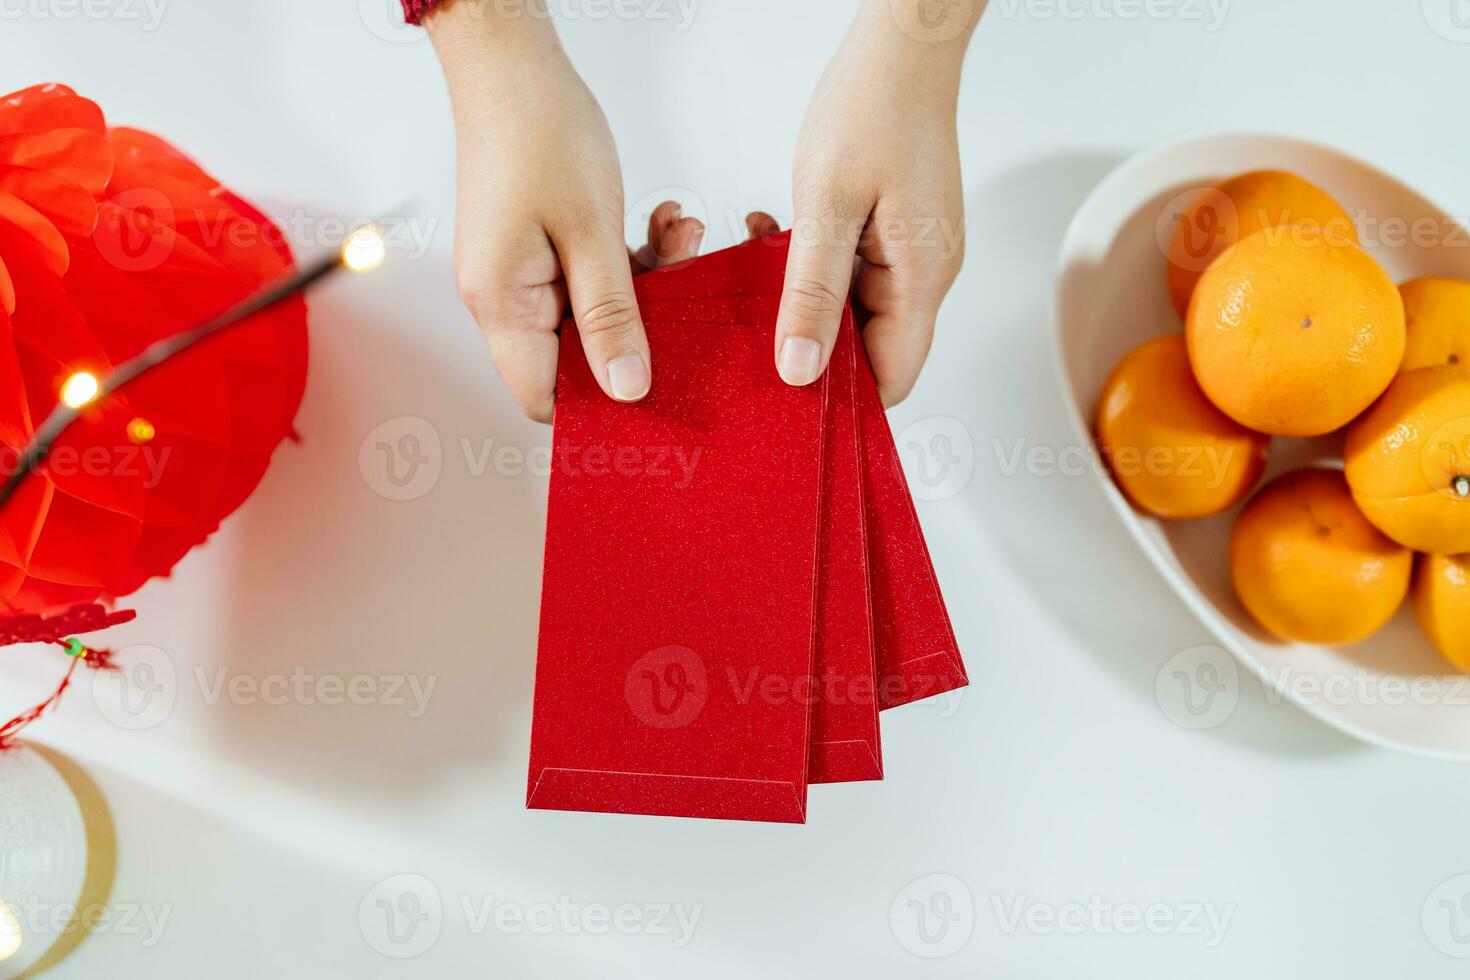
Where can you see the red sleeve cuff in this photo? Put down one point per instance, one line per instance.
(414, 10)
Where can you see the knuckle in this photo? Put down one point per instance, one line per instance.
(609, 319)
(498, 309)
(539, 407)
(481, 290)
(928, 274)
(594, 216)
(810, 298)
(893, 392)
(489, 274)
(832, 191)
(823, 182)
(475, 288)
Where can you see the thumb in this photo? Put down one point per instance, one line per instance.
(599, 282)
(824, 241)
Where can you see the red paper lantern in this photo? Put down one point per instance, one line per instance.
(111, 239)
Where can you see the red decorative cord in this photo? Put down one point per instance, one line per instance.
(96, 659)
(414, 10)
(57, 629)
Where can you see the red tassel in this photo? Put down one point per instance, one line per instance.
(96, 659)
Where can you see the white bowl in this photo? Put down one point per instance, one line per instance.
(1393, 689)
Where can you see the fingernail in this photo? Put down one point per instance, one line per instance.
(628, 377)
(692, 240)
(800, 360)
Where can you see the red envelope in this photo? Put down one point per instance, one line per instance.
(917, 655)
(719, 728)
(753, 268)
(845, 742)
(678, 602)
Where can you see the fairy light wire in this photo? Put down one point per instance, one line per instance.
(64, 414)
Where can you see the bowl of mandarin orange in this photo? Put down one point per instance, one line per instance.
(1265, 343)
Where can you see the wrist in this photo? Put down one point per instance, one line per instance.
(931, 32)
(489, 46)
(463, 30)
(908, 52)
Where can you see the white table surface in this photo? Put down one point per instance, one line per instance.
(1056, 789)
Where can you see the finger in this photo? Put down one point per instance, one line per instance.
(526, 362)
(824, 241)
(519, 324)
(680, 242)
(600, 287)
(900, 331)
(659, 221)
(519, 321)
(758, 224)
(662, 217)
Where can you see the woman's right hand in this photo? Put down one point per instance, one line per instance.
(539, 221)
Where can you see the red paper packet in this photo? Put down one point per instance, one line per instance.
(917, 654)
(844, 685)
(677, 615)
(876, 621)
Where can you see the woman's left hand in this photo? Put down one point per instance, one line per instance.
(877, 178)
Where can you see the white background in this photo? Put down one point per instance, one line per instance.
(1057, 779)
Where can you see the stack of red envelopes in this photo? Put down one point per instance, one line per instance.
(735, 579)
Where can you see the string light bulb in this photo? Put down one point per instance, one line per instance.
(79, 389)
(364, 249)
(11, 935)
(141, 431)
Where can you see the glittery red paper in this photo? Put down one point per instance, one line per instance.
(845, 740)
(916, 649)
(845, 743)
(915, 643)
(881, 633)
(677, 616)
(917, 653)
